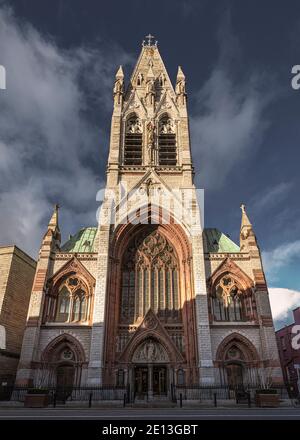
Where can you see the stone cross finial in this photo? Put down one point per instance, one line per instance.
(149, 41)
(243, 207)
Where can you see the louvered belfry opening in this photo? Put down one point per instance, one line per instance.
(167, 152)
(133, 142)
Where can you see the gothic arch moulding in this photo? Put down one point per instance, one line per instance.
(151, 329)
(173, 231)
(52, 353)
(72, 268)
(243, 344)
(229, 267)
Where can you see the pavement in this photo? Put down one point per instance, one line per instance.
(21, 413)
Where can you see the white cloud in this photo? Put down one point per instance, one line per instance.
(283, 301)
(51, 150)
(229, 122)
(271, 196)
(280, 257)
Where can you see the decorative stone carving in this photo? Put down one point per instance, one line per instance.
(134, 126)
(150, 351)
(150, 142)
(134, 105)
(227, 290)
(166, 126)
(150, 322)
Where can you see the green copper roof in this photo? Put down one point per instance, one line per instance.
(215, 241)
(82, 241)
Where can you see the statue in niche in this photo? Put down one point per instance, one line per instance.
(162, 80)
(118, 90)
(150, 142)
(140, 79)
(180, 91)
(180, 87)
(150, 91)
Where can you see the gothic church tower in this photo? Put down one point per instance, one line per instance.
(149, 300)
(152, 267)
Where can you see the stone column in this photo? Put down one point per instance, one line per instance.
(150, 381)
(202, 320)
(97, 339)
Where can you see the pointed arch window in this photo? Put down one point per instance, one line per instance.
(229, 301)
(71, 304)
(181, 377)
(63, 308)
(167, 152)
(79, 306)
(133, 141)
(153, 264)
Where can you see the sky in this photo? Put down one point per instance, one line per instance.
(60, 59)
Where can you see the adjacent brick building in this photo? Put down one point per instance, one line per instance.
(17, 271)
(289, 357)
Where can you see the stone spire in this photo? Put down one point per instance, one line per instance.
(247, 236)
(180, 74)
(120, 73)
(245, 219)
(119, 87)
(180, 87)
(53, 228)
(53, 223)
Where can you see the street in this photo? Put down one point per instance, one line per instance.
(149, 414)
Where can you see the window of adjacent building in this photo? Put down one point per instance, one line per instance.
(283, 342)
(167, 152)
(133, 141)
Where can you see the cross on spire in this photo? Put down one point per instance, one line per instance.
(148, 41)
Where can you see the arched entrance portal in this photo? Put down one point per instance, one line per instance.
(62, 365)
(151, 370)
(234, 373)
(150, 270)
(238, 361)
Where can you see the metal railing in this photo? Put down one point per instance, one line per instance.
(223, 392)
(63, 394)
(200, 393)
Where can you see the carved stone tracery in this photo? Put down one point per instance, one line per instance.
(150, 351)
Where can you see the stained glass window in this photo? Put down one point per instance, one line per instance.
(229, 301)
(149, 278)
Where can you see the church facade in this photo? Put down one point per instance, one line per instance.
(149, 299)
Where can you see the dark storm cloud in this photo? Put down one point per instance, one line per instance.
(228, 119)
(47, 140)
